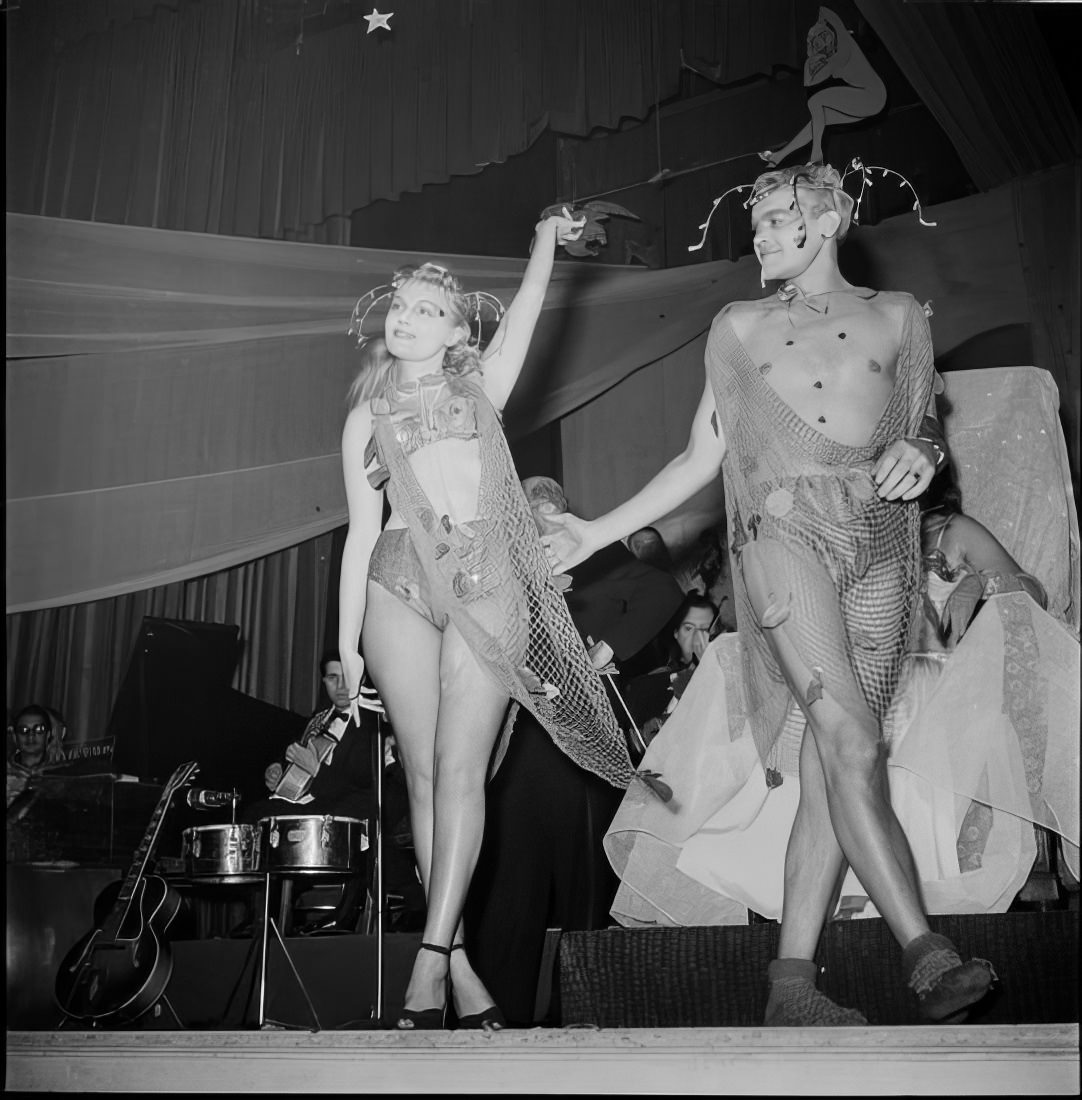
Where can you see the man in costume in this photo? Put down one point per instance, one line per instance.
(820, 401)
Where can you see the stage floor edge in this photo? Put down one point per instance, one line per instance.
(1004, 1060)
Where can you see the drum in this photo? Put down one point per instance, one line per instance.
(317, 843)
(221, 853)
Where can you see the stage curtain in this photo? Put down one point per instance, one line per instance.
(985, 73)
(75, 657)
(211, 115)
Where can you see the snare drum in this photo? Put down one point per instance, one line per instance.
(221, 853)
(317, 843)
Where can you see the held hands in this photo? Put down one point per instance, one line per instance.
(905, 470)
(566, 541)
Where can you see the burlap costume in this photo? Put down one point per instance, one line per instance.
(491, 574)
(844, 565)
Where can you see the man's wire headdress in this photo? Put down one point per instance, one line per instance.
(469, 308)
(806, 176)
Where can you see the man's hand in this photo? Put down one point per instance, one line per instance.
(303, 757)
(273, 775)
(905, 469)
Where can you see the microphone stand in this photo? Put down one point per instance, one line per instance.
(378, 893)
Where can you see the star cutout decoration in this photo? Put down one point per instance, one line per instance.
(378, 19)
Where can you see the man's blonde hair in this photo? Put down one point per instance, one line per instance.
(824, 180)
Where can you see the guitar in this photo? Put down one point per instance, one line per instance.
(121, 968)
(297, 780)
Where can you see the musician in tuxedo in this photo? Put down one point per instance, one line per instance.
(335, 753)
(328, 771)
(541, 863)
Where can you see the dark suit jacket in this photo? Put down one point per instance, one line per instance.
(618, 599)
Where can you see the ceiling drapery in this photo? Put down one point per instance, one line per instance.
(988, 79)
(196, 117)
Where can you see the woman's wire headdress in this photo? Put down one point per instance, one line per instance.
(471, 306)
(765, 186)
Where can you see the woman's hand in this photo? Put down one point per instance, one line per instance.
(352, 674)
(565, 227)
(567, 541)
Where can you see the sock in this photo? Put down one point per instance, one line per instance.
(945, 985)
(795, 1002)
(927, 959)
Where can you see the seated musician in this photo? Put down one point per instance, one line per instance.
(653, 697)
(36, 735)
(328, 771)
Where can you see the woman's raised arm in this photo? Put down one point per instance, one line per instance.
(504, 356)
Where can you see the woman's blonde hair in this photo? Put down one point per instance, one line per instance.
(378, 367)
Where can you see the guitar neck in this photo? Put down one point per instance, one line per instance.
(146, 846)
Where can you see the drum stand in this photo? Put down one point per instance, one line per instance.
(373, 918)
(262, 943)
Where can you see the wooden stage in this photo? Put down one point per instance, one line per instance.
(998, 1060)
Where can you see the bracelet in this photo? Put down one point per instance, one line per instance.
(940, 454)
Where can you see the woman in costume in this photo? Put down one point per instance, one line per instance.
(454, 601)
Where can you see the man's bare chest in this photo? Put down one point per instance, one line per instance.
(836, 370)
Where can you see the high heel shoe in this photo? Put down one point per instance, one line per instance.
(489, 1019)
(428, 1019)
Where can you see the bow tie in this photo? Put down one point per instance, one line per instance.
(343, 714)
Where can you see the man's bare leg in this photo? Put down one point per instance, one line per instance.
(853, 766)
(814, 865)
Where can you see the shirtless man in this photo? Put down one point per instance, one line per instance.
(820, 401)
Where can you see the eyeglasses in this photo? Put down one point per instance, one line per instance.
(32, 729)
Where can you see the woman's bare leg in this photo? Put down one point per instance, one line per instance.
(402, 655)
(446, 712)
(472, 710)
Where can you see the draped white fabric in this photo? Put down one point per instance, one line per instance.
(175, 400)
